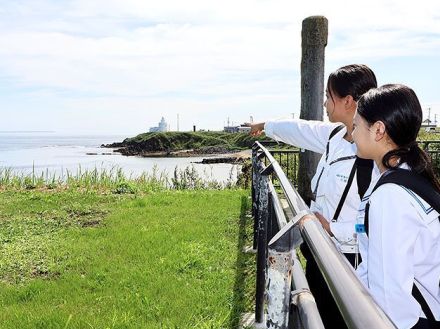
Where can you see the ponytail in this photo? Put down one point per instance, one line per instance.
(398, 107)
(417, 160)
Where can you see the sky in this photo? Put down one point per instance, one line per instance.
(117, 67)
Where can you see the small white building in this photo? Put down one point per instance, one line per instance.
(237, 129)
(428, 125)
(162, 127)
(243, 129)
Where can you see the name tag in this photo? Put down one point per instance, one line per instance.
(359, 228)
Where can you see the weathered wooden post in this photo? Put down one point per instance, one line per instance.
(314, 39)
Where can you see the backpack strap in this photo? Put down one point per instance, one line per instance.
(363, 169)
(412, 181)
(364, 172)
(424, 305)
(332, 134)
(423, 188)
(344, 194)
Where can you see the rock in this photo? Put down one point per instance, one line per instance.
(233, 160)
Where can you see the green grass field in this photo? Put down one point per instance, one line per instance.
(88, 259)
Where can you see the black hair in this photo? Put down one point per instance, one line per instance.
(354, 80)
(398, 107)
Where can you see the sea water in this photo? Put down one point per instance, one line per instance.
(53, 153)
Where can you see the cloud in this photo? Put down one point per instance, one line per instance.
(194, 52)
(149, 61)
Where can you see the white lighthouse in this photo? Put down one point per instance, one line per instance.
(162, 127)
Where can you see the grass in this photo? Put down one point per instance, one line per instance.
(77, 258)
(113, 179)
(427, 136)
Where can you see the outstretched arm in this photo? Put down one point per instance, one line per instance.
(307, 134)
(256, 128)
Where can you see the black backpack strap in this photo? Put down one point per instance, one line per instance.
(333, 133)
(344, 194)
(425, 307)
(411, 181)
(315, 191)
(364, 170)
(366, 217)
(414, 182)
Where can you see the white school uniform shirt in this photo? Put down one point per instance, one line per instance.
(313, 136)
(402, 248)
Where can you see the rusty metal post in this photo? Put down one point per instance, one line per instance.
(273, 222)
(270, 218)
(314, 40)
(279, 271)
(254, 153)
(255, 194)
(263, 188)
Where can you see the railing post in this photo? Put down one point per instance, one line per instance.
(279, 276)
(270, 233)
(426, 146)
(263, 188)
(314, 40)
(275, 227)
(255, 194)
(254, 153)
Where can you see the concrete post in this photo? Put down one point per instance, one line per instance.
(314, 40)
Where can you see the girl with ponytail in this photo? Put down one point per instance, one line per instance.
(398, 231)
(335, 209)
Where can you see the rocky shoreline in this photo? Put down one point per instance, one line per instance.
(214, 147)
(213, 154)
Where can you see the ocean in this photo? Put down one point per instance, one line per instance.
(52, 153)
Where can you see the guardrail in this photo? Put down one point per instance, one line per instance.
(288, 158)
(278, 268)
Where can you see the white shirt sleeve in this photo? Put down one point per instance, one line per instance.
(393, 230)
(306, 134)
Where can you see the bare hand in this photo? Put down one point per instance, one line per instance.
(324, 222)
(256, 128)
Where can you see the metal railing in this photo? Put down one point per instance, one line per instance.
(429, 145)
(278, 268)
(288, 158)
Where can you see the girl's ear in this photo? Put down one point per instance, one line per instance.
(349, 102)
(379, 130)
